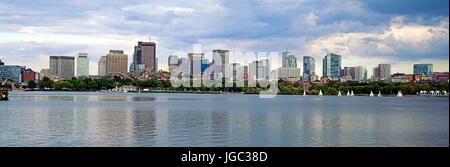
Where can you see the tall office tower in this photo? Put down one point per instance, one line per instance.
(384, 72)
(195, 63)
(245, 73)
(289, 60)
(82, 65)
(116, 62)
(258, 69)
(349, 72)
(204, 64)
(360, 73)
(332, 66)
(375, 74)
(183, 65)
(238, 72)
(63, 66)
(172, 62)
(266, 66)
(426, 69)
(102, 66)
(223, 57)
(156, 64)
(145, 53)
(309, 66)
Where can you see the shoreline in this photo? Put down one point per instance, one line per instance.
(207, 92)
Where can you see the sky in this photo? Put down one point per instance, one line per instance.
(367, 33)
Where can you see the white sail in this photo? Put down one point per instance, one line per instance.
(399, 94)
(304, 93)
(371, 93)
(348, 93)
(339, 94)
(320, 93)
(379, 93)
(352, 93)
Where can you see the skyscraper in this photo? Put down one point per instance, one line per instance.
(382, 72)
(289, 60)
(63, 66)
(183, 65)
(360, 73)
(195, 62)
(82, 65)
(426, 69)
(332, 65)
(116, 62)
(221, 61)
(309, 66)
(102, 66)
(349, 71)
(145, 53)
(204, 64)
(258, 69)
(172, 62)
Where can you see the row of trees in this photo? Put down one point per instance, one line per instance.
(333, 87)
(103, 83)
(330, 88)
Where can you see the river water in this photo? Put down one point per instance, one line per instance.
(157, 119)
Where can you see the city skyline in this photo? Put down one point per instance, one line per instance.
(364, 33)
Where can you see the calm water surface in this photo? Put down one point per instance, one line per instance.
(118, 119)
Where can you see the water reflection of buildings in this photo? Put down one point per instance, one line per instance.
(219, 128)
(110, 127)
(144, 127)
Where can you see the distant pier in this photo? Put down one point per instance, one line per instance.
(4, 93)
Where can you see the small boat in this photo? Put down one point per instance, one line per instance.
(348, 93)
(304, 93)
(320, 93)
(371, 93)
(352, 94)
(379, 93)
(339, 94)
(399, 94)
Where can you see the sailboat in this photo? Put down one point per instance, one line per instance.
(339, 94)
(371, 93)
(348, 93)
(320, 93)
(399, 94)
(379, 93)
(352, 93)
(304, 93)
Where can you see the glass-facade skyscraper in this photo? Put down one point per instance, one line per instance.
(82, 65)
(426, 69)
(289, 60)
(11, 72)
(309, 65)
(332, 66)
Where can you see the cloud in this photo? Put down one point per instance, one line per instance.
(364, 32)
(388, 46)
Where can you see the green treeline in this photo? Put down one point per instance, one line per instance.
(288, 88)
